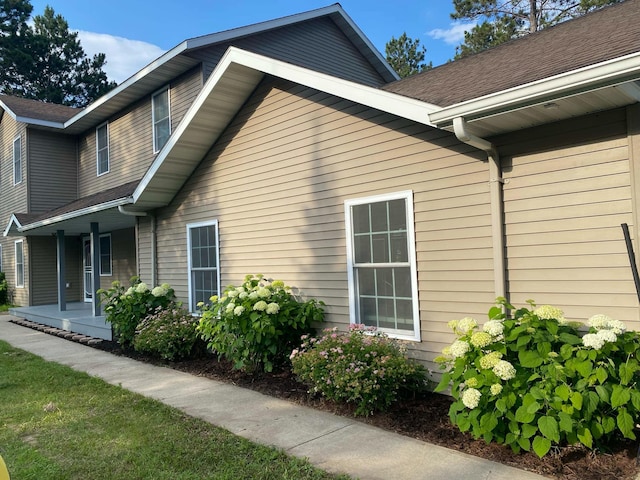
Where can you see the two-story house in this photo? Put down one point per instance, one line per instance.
(288, 148)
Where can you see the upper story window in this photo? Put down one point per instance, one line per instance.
(17, 161)
(161, 117)
(382, 264)
(102, 148)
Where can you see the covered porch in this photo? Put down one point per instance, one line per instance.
(78, 318)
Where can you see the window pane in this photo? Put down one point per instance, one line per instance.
(402, 277)
(362, 247)
(379, 217)
(368, 314)
(102, 137)
(162, 132)
(366, 281)
(105, 255)
(399, 247)
(161, 105)
(397, 215)
(386, 313)
(360, 216)
(384, 281)
(380, 248)
(404, 313)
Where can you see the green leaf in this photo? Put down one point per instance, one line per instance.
(585, 437)
(576, 400)
(541, 446)
(529, 358)
(524, 416)
(566, 351)
(591, 402)
(619, 396)
(501, 405)
(549, 428)
(524, 443)
(533, 407)
(626, 374)
(495, 313)
(570, 338)
(444, 382)
(625, 423)
(529, 430)
(523, 340)
(609, 424)
(463, 422)
(584, 368)
(563, 391)
(603, 393)
(537, 393)
(566, 423)
(635, 399)
(488, 422)
(601, 375)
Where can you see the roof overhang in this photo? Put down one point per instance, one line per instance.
(234, 79)
(602, 86)
(77, 222)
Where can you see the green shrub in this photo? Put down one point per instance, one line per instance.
(4, 289)
(363, 367)
(257, 324)
(169, 333)
(126, 307)
(536, 380)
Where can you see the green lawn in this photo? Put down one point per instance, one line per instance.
(57, 424)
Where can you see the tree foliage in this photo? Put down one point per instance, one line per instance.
(406, 55)
(45, 61)
(501, 20)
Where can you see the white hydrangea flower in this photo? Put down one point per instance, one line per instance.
(504, 370)
(230, 307)
(243, 295)
(129, 292)
(617, 327)
(159, 291)
(239, 310)
(264, 292)
(481, 339)
(604, 322)
(233, 293)
(272, 308)
(547, 312)
(471, 382)
(495, 328)
(459, 348)
(496, 388)
(490, 360)
(260, 306)
(471, 398)
(253, 295)
(142, 287)
(466, 324)
(592, 340)
(607, 335)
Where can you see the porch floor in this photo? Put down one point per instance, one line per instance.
(78, 318)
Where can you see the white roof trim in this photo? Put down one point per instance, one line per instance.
(32, 121)
(69, 215)
(12, 221)
(596, 76)
(373, 97)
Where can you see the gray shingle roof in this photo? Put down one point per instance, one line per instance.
(38, 110)
(603, 35)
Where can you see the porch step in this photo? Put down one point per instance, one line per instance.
(85, 339)
(77, 319)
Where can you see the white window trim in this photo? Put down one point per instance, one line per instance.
(406, 195)
(1, 270)
(190, 226)
(13, 159)
(153, 115)
(110, 274)
(18, 285)
(98, 173)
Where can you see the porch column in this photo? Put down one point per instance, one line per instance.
(95, 262)
(62, 287)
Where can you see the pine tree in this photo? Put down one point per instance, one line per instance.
(406, 55)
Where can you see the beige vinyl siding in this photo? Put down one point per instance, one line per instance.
(123, 261)
(277, 180)
(564, 203)
(144, 239)
(130, 138)
(316, 44)
(53, 170)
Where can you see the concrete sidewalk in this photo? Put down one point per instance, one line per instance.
(333, 443)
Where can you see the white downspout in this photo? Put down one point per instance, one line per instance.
(497, 205)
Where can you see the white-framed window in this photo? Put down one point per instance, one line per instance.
(161, 118)
(381, 258)
(19, 252)
(102, 149)
(204, 261)
(17, 160)
(105, 255)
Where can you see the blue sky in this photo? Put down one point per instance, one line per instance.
(134, 32)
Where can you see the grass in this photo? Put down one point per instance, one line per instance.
(56, 423)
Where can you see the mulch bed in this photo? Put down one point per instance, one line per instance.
(424, 418)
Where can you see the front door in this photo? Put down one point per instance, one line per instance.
(87, 269)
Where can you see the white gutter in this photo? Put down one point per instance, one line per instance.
(611, 72)
(497, 206)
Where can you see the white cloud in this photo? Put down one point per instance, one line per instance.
(453, 35)
(124, 57)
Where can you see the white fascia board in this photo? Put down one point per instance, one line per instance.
(402, 106)
(30, 121)
(76, 213)
(382, 100)
(12, 221)
(157, 63)
(570, 83)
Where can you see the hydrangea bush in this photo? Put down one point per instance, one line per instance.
(536, 380)
(126, 307)
(169, 333)
(257, 324)
(363, 367)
